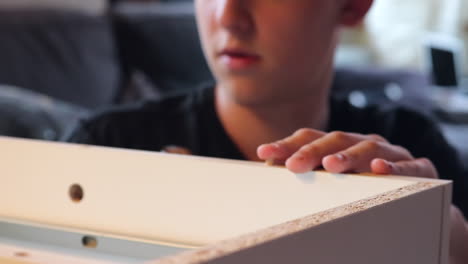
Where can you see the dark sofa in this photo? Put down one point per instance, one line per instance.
(161, 41)
(70, 56)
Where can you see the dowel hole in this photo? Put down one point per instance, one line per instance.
(89, 242)
(76, 193)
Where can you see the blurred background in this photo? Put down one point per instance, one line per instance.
(61, 60)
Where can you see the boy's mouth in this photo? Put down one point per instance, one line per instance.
(236, 59)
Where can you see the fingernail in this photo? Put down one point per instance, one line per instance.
(340, 157)
(275, 146)
(299, 157)
(389, 165)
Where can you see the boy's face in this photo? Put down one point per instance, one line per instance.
(262, 51)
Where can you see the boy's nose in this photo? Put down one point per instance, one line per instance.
(235, 16)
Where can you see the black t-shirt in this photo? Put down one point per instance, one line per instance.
(190, 120)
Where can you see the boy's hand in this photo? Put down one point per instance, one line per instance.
(340, 152)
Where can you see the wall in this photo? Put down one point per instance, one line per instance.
(397, 28)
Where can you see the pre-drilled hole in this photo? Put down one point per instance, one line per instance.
(89, 242)
(76, 193)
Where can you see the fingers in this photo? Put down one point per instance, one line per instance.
(340, 152)
(283, 149)
(310, 156)
(417, 168)
(358, 157)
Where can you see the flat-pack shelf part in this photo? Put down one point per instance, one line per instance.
(221, 211)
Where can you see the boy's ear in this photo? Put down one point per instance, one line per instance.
(354, 11)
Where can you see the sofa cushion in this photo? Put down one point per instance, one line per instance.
(66, 55)
(27, 114)
(161, 40)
